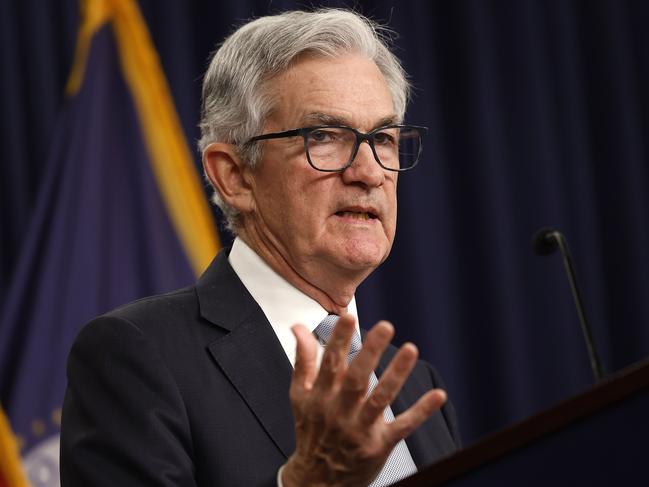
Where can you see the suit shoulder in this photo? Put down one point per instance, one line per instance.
(152, 316)
(161, 307)
(169, 324)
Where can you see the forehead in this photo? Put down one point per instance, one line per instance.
(349, 89)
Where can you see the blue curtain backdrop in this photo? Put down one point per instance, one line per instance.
(538, 113)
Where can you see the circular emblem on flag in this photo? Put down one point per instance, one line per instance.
(42, 463)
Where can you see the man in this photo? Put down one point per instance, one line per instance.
(302, 144)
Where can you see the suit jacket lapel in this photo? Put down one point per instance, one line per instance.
(250, 354)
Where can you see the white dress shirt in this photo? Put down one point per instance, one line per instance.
(282, 303)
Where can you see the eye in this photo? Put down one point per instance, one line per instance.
(385, 138)
(321, 136)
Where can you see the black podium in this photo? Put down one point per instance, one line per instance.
(598, 438)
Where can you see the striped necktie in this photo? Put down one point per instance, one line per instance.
(399, 464)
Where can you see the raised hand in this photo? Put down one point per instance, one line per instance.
(342, 438)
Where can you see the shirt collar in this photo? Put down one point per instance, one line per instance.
(282, 303)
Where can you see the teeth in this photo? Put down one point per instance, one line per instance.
(357, 215)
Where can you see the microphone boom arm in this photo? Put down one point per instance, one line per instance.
(546, 242)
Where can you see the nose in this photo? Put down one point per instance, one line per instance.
(365, 169)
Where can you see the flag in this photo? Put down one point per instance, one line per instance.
(11, 473)
(121, 214)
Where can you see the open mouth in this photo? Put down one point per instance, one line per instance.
(357, 215)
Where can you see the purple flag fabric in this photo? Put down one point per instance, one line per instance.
(100, 236)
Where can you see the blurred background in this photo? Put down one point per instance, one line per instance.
(538, 115)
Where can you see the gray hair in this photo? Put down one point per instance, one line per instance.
(236, 100)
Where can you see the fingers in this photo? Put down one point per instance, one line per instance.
(334, 359)
(412, 418)
(354, 387)
(390, 383)
(347, 386)
(335, 423)
(305, 359)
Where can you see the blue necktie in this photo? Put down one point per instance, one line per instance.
(399, 464)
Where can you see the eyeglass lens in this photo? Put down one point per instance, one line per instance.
(331, 148)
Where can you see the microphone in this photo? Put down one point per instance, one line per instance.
(545, 242)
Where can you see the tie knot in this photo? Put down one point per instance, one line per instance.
(326, 327)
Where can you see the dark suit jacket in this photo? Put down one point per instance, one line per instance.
(191, 389)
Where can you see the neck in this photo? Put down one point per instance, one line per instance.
(333, 289)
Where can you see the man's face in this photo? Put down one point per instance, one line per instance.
(334, 222)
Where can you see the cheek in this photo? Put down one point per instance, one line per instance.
(308, 201)
(391, 222)
(392, 229)
(299, 213)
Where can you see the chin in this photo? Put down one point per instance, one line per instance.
(365, 255)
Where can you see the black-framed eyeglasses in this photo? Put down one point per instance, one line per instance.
(332, 148)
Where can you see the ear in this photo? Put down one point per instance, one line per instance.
(229, 175)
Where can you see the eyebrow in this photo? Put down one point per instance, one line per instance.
(321, 118)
